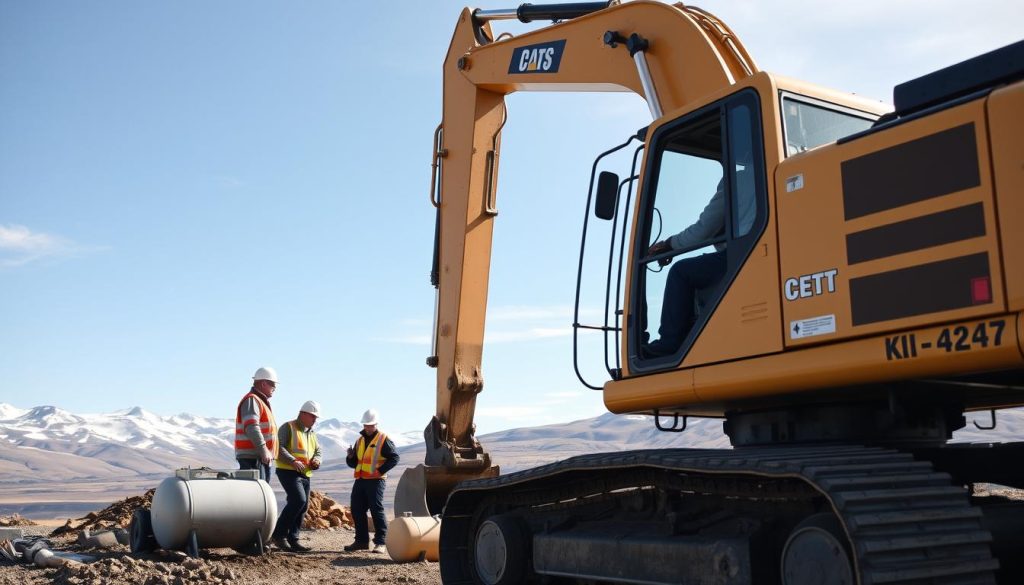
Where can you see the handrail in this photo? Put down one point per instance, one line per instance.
(579, 269)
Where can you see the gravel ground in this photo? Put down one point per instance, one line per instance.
(326, 564)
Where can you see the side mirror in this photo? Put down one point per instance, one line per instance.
(607, 195)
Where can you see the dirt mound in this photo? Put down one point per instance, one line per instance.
(16, 520)
(325, 513)
(116, 515)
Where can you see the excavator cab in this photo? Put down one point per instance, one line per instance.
(705, 192)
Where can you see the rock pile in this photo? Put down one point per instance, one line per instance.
(116, 515)
(128, 570)
(324, 513)
(16, 520)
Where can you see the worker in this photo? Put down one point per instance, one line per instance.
(372, 457)
(255, 429)
(298, 457)
(689, 275)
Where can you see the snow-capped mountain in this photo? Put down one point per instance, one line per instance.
(47, 441)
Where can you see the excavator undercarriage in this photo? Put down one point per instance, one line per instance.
(827, 514)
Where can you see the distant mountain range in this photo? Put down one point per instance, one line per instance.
(48, 444)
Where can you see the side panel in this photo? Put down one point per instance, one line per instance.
(1006, 123)
(890, 231)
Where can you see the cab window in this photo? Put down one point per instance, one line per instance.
(810, 124)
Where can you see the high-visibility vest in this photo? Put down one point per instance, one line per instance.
(299, 448)
(268, 427)
(368, 457)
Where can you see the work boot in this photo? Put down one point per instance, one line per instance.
(298, 546)
(357, 546)
(379, 548)
(282, 545)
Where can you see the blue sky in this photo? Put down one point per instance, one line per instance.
(189, 190)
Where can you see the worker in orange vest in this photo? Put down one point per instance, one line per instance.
(372, 457)
(255, 429)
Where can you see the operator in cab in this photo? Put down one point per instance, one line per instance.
(689, 275)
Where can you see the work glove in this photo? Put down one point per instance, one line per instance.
(314, 464)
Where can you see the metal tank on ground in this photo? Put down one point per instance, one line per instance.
(207, 508)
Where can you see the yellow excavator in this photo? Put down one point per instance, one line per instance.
(852, 286)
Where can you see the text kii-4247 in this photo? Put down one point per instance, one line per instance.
(949, 339)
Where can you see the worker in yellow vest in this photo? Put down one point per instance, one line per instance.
(298, 457)
(372, 457)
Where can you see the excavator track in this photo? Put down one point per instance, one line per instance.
(903, 522)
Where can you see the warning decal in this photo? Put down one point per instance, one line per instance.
(814, 326)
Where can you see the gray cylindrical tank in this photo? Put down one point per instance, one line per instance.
(226, 509)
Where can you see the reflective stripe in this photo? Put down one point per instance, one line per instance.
(368, 457)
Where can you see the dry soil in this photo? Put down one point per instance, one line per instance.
(327, 564)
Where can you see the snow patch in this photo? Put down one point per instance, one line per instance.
(8, 412)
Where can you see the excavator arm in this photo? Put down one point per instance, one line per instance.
(668, 54)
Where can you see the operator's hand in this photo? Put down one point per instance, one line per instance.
(660, 248)
(351, 452)
(299, 466)
(265, 455)
(314, 464)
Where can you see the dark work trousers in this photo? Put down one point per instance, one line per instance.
(684, 279)
(368, 494)
(296, 488)
(256, 464)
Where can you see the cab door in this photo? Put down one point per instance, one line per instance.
(703, 209)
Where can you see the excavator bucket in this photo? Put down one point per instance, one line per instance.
(423, 490)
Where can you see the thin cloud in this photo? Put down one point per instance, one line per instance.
(526, 312)
(562, 313)
(228, 182)
(505, 324)
(530, 334)
(19, 246)
(411, 339)
(556, 398)
(510, 412)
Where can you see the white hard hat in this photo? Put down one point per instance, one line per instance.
(312, 407)
(370, 417)
(265, 374)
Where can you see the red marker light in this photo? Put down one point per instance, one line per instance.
(981, 290)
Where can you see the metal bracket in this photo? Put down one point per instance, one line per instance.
(992, 420)
(675, 428)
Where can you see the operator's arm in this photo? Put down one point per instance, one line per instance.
(390, 456)
(708, 225)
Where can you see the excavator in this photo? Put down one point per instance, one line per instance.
(855, 290)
